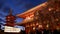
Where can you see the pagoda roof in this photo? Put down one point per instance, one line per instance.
(32, 10)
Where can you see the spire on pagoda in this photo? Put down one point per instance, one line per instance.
(10, 19)
(10, 12)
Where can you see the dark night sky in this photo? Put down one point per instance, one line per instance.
(17, 6)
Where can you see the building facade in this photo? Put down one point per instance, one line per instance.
(44, 16)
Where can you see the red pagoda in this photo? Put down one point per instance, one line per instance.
(10, 19)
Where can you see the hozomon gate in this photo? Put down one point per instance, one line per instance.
(44, 16)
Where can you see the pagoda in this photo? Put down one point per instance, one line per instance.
(10, 19)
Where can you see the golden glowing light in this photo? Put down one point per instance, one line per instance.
(33, 28)
(47, 25)
(40, 26)
(50, 9)
(27, 17)
(37, 24)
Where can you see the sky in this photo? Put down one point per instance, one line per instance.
(17, 6)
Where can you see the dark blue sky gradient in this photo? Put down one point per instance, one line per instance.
(17, 6)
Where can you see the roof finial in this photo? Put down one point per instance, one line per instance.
(10, 12)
